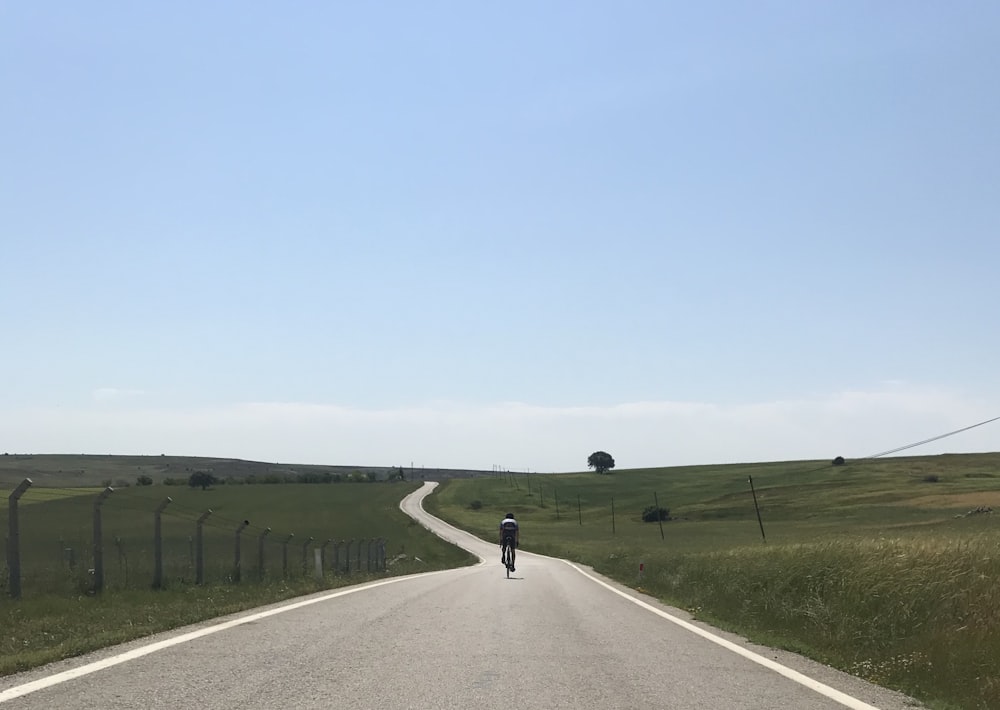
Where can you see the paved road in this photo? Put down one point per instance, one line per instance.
(555, 636)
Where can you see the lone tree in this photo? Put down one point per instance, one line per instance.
(601, 461)
(201, 478)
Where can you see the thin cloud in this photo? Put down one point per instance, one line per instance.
(521, 436)
(116, 394)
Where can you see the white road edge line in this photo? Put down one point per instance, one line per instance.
(42, 683)
(801, 679)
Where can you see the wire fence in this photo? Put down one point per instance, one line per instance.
(90, 547)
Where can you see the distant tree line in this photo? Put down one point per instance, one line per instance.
(206, 479)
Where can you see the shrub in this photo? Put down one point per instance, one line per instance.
(144, 480)
(476, 504)
(652, 514)
(931, 478)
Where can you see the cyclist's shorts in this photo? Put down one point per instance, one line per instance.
(508, 541)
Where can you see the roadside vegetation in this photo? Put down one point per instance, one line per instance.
(60, 616)
(885, 568)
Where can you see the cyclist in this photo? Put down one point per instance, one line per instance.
(510, 537)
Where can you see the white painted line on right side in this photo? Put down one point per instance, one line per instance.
(804, 680)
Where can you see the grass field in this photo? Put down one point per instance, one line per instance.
(58, 616)
(885, 568)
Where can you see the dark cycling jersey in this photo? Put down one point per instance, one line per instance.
(508, 530)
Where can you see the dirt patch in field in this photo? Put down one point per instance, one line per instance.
(960, 501)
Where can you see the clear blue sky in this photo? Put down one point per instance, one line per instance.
(466, 235)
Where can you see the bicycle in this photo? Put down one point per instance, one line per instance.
(508, 544)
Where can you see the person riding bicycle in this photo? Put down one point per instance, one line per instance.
(510, 537)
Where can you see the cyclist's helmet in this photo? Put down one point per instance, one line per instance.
(510, 515)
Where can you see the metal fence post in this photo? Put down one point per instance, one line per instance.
(236, 560)
(305, 555)
(14, 539)
(318, 563)
(284, 555)
(322, 553)
(260, 553)
(99, 541)
(199, 549)
(158, 544)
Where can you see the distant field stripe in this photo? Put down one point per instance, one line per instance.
(44, 495)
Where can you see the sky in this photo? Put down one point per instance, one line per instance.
(463, 235)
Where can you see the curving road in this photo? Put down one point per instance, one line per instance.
(554, 636)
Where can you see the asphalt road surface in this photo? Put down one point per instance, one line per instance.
(556, 635)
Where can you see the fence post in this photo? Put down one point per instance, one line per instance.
(335, 565)
(158, 544)
(579, 510)
(305, 555)
(237, 572)
(368, 555)
(318, 564)
(613, 532)
(14, 539)
(659, 518)
(347, 557)
(284, 555)
(322, 553)
(199, 549)
(757, 508)
(99, 540)
(382, 543)
(359, 553)
(260, 553)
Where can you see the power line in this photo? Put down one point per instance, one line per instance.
(933, 438)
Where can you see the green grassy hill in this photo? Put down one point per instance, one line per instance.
(71, 470)
(713, 506)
